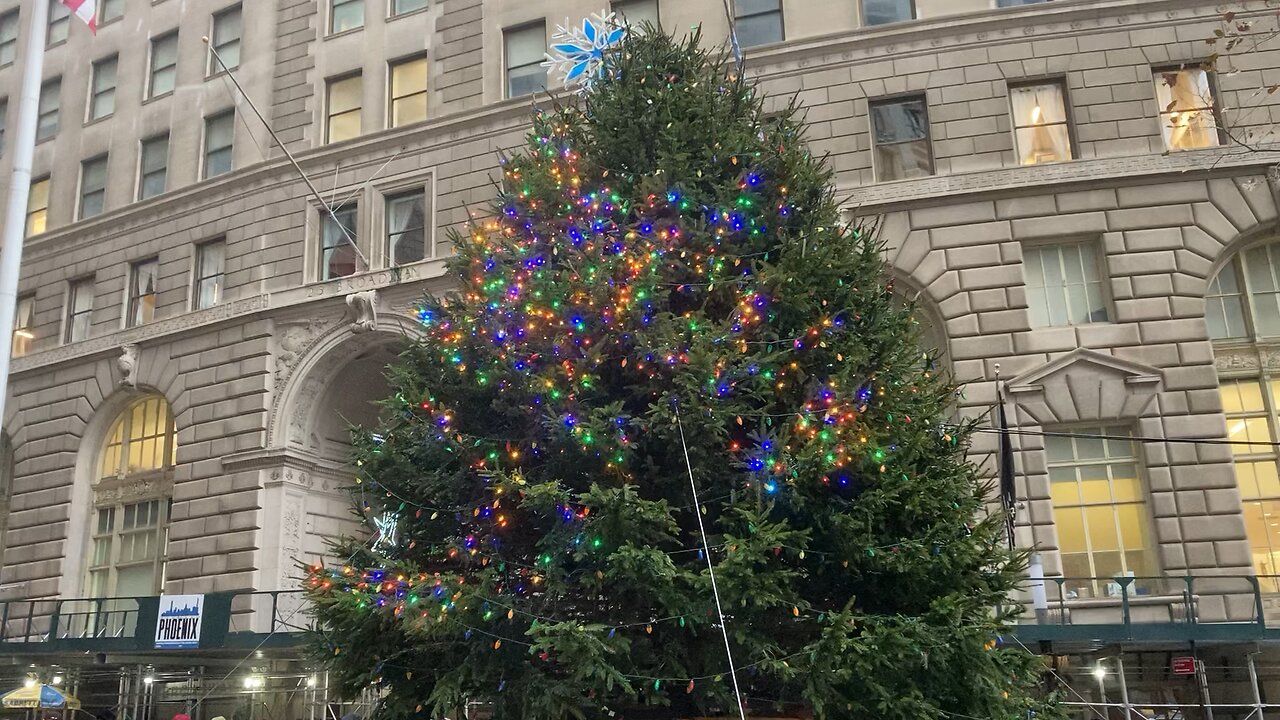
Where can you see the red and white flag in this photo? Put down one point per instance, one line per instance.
(86, 10)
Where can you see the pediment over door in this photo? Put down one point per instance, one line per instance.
(1085, 386)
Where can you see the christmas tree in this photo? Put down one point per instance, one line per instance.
(666, 302)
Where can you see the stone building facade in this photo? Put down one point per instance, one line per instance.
(1060, 183)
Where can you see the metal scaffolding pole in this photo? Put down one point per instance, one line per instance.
(1257, 691)
(1124, 687)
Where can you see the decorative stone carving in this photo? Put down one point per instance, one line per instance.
(1086, 386)
(364, 310)
(293, 345)
(128, 364)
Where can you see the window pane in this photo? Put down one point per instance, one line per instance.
(526, 80)
(409, 92)
(143, 292)
(346, 15)
(110, 10)
(226, 39)
(218, 137)
(637, 12)
(406, 228)
(879, 12)
(59, 22)
(526, 45)
(344, 108)
(38, 207)
(758, 30)
(23, 323)
(154, 167)
(8, 37)
(1186, 103)
(50, 107)
(1072, 288)
(209, 270)
(400, 7)
(103, 100)
(338, 258)
(93, 183)
(164, 59)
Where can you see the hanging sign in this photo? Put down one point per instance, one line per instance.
(178, 626)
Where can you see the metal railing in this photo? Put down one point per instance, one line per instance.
(130, 621)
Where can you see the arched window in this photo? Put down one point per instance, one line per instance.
(132, 498)
(1242, 310)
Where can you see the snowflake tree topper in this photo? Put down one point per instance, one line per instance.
(578, 52)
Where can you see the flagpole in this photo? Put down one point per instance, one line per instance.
(15, 211)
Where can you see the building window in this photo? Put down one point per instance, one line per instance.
(79, 310)
(409, 92)
(883, 12)
(1040, 128)
(142, 292)
(1064, 285)
(110, 10)
(164, 65)
(1250, 405)
(59, 22)
(38, 207)
(93, 187)
(50, 106)
(130, 530)
(637, 12)
(901, 131)
(1099, 509)
(345, 15)
(525, 48)
(153, 166)
(337, 242)
(1187, 108)
(758, 22)
(344, 109)
(408, 220)
(226, 40)
(24, 324)
(219, 133)
(1243, 300)
(102, 89)
(8, 37)
(210, 266)
(402, 7)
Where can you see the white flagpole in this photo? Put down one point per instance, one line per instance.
(15, 212)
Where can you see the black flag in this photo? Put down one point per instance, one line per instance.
(1008, 491)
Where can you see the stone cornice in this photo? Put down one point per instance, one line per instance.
(421, 278)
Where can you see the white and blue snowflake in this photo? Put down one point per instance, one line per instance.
(578, 52)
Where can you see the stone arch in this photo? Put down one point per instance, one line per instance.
(338, 368)
(928, 314)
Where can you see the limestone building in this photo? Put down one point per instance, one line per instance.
(1074, 198)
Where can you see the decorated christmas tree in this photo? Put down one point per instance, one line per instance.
(667, 354)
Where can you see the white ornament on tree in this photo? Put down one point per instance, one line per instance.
(578, 52)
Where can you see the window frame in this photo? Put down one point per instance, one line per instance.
(115, 493)
(319, 265)
(26, 332)
(329, 82)
(133, 301)
(103, 19)
(198, 277)
(205, 150)
(95, 93)
(391, 89)
(392, 14)
(149, 92)
(212, 68)
(105, 159)
(862, 9)
(141, 173)
(781, 12)
(928, 136)
(1103, 270)
(657, 9)
(425, 184)
(14, 16)
(26, 226)
(331, 8)
(63, 21)
(1151, 541)
(1067, 109)
(507, 32)
(41, 111)
(1211, 79)
(75, 287)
